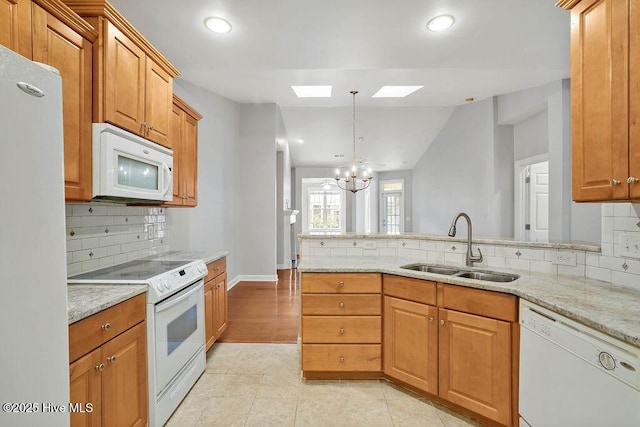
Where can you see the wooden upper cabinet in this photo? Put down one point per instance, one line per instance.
(183, 140)
(634, 100)
(124, 77)
(57, 44)
(133, 84)
(15, 26)
(604, 110)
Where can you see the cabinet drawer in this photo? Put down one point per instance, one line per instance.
(90, 333)
(329, 283)
(341, 304)
(345, 357)
(423, 291)
(341, 329)
(216, 268)
(477, 301)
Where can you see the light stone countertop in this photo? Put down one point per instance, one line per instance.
(206, 256)
(85, 300)
(614, 310)
(504, 241)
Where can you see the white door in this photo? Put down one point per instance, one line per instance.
(539, 202)
(392, 213)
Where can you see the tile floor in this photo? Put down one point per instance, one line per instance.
(260, 385)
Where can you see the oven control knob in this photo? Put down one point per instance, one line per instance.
(159, 287)
(165, 285)
(607, 361)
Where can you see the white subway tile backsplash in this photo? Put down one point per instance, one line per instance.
(338, 251)
(518, 264)
(598, 273)
(625, 279)
(418, 255)
(592, 260)
(543, 267)
(567, 270)
(387, 252)
(435, 256)
(354, 252)
(101, 235)
(455, 258)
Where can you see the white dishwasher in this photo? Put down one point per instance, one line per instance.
(572, 375)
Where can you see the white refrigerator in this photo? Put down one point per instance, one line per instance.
(34, 355)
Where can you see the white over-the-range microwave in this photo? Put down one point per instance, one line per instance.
(129, 168)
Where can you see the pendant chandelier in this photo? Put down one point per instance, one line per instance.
(350, 180)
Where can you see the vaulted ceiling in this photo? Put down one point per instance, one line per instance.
(494, 47)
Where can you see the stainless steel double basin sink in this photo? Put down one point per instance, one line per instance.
(489, 276)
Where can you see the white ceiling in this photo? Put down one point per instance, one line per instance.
(494, 47)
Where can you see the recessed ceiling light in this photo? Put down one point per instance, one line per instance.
(217, 24)
(441, 23)
(312, 91)
(300, 141)
(395, 91)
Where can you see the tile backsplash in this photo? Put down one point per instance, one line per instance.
(100, 235)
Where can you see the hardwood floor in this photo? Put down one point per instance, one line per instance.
(265, 312)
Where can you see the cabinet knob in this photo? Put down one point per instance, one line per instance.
(100, 367)
(430, 319)
(112, 359)
(341, 305)
(614, 182)
(150, 127)
(341, 284)
(341, 359)
(442, 323)
(632, 180)
(106, 326)
(341, 331)
(144, 124)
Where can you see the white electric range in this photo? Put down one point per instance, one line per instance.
(175, 325)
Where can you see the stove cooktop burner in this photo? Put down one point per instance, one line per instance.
(132, 270)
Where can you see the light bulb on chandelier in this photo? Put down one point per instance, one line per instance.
(351, 182)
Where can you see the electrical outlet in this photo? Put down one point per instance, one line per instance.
(370, 245)
(564, 258)
(630, 245)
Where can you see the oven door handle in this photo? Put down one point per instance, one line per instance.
(171, 302)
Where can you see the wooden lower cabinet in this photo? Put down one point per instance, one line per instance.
(475, 364)
(112, 378)
(215, 301)
(410, 343)
(341, 324)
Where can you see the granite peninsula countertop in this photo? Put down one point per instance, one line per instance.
(614, 310)
(85, 300)
(504, 241)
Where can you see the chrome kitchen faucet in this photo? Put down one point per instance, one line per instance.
(452, 232)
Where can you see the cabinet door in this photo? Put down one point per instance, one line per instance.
(411, 343)
(209, 302)
(220, 308)
(475, 364)
(189, 161)
(175, 143)
(56, 44)
(124, 379)
(124, 79)
(599, 102)
(86, 387)
(15, 26)
(158, 102)
(634, 99)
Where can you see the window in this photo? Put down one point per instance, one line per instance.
(392, 206)
(322, 207)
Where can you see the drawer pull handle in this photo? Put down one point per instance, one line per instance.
(341, 305)
(100, 367)
(112, 359)
(632, 180)
(341, 359)
(614, 182)
(341, 331)
(430, 319)
(341, 284)
(106, 326)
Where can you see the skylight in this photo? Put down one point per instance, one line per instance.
(396, 91)
(312, 91)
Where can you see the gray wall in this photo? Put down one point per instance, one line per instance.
(464, 170)
(548, 108)
(212, 225)
(407, 176)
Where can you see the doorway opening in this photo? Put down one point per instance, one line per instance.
(531, 210)
(392, 206)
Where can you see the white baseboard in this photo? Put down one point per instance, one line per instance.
(251, 278)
